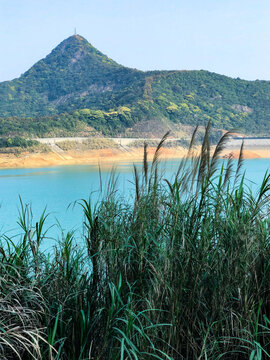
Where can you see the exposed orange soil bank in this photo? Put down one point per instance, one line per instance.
(248, 153)
(105, 156)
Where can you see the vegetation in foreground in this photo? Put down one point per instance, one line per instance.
(182, 272)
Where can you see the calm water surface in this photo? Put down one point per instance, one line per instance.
(58, 187)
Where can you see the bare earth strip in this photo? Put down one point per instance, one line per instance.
(107, 157)
(254, 148)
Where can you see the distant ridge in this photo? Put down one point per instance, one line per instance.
(79, 80)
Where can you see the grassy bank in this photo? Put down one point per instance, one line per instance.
(17, 145)
(88, 144)
(182, 272)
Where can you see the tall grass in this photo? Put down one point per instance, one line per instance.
(181, 273)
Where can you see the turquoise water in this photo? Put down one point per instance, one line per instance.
(57, 188)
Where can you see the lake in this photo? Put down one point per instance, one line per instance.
(57, 188)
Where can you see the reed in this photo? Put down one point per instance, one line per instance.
(182, 272)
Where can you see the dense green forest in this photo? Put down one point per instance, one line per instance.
(77, 85)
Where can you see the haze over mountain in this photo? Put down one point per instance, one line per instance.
(76, 86)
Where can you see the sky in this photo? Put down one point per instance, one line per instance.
(229, 37)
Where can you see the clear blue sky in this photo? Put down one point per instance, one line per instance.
(230, 37)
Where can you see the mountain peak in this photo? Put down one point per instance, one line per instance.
(74, 73)
(72, 42)
(78, 37)
(75, 38)
(74, 68)
(76, 47)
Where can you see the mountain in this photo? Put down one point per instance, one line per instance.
(77, 87)
(73, 74)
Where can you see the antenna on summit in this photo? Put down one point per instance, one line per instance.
(75, 32)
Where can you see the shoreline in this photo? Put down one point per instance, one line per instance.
(90, 157)
(109, 156)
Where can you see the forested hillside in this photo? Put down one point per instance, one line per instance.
(76, 87)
